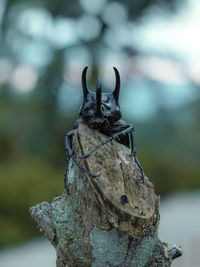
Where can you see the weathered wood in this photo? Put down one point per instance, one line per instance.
(91, 227)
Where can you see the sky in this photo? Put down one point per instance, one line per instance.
(178, 33)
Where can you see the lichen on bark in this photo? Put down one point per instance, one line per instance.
(91, 226)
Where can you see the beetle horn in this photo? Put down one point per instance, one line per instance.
(98, 98)
(85, 90)
(117, 86)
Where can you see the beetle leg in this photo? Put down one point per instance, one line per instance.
(114, 136)
(69, 153)
(65, 177)
(133, 151)
(82, 168)
(128, 130)
(94, 149)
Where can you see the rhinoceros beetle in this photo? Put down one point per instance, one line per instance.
(101, 111)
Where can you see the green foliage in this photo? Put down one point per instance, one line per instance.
(170, 173)
(24, 183)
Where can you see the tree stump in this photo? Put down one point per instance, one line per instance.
(110, 220)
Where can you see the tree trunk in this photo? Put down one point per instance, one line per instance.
(110, 220)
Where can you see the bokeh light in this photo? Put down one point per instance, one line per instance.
(24, 78)
(44, 46)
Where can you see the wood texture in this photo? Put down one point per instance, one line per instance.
(91, 226)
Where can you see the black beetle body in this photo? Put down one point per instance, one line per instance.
(101, 111)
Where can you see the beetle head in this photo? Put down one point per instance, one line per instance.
(100, 108)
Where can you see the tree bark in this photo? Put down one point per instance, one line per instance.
(93, 226)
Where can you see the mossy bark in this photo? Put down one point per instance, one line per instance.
(92, 226)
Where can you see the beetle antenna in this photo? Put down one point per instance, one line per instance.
(98, 98)
(85, 90)
(117, 86)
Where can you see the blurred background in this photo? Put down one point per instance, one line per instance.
(44, 46)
